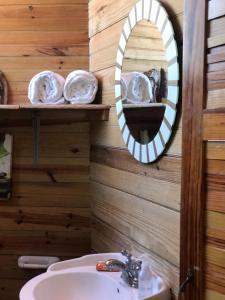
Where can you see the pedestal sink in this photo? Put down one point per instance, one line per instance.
(77, 279)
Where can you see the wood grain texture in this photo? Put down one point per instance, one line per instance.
(104, 15)
(212, 295)
(138, 185)
(215, 278)
(168, 168)
(112, 168)
(215, 98)
(106, 238)
(192, 216)
(110, 135)
(215, 255)
(151, 225)
(213, 134)
(213, 124)
(216, 9)
(41, 35)
(26, 2)
(49, 212)
(144, 49)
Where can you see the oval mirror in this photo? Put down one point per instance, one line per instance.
(146, 80)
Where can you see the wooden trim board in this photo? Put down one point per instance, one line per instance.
(192, 212)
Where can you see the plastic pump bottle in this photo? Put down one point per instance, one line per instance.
(145, 281)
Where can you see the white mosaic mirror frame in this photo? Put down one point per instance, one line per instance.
(154, 12)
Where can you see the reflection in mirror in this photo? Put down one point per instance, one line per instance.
(147, 80)
(144, 81)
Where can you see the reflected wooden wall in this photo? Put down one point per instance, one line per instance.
(134, 206)
(49, 210)
(145, 49)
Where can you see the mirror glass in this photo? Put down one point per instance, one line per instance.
(147, 76)
(144, 81)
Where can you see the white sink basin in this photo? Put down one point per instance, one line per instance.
(77, 279)
(74, 286)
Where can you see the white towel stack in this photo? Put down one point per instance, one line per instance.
(46, 88)
(136, 88)
(80, 87)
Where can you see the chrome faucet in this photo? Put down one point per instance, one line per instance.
(130, 268)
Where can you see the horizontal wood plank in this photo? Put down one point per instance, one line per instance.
(78, 199)
(215, 255)
(52, 147)
(106, 239)
(168, 168)
(212, 295)
(213, 126)
(55, 62)
(215, 278)
(216, 26)
(60, 174)
(40, 219)
(103, 16)
(216, 41)
(49, 24)
(215, 99)
(11, 271)
(149, 224)
(19, 2)
(215, 150)
(215, 200)
(49, 11)
(50, 38)
(111, 136)
(24, 50)
(216, 226)
(46, 188)
(216, 9)
(138, 185)
(6, 290)
(216, 57)
(44, 243)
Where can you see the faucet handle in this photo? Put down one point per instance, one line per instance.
(127, 254)
(138, 264)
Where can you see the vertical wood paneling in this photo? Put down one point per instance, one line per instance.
(192, 213)
(115, 174)
(49, 212)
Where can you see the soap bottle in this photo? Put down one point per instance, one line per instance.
(145, 281)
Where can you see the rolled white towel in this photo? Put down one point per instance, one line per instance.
(80, 87)
(136, 88)
(46, 88)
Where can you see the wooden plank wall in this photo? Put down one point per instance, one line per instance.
(214, 136)
(38, 35)
(49, 213)
(145, 49)
(134, 206)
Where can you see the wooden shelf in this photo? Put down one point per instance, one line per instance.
(146, 105)
(147, 116)
(10, 107)
(144, 114)
(88, 112)
(60, 106)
